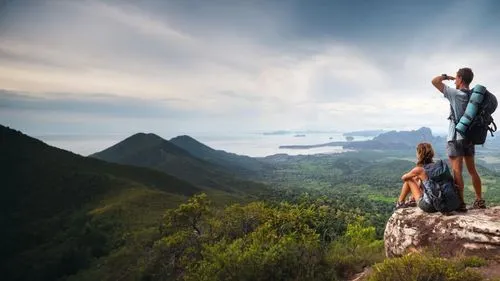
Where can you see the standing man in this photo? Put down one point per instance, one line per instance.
(458, 148)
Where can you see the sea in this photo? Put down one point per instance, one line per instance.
(250, 144)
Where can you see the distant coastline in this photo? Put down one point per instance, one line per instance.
(299, 132)
(390, 140)
(355, 145)
(364, 133)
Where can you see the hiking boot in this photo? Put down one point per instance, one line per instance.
(401, 205)
(411, 203)
(462, 208)
(479, 204)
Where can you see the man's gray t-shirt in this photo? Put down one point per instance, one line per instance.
(458, 101)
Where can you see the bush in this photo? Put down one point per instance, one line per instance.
(265, 254)
(355, 250)
(258, 241)
(420, 267)
(472, 261)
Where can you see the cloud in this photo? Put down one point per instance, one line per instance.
(241, 66)
(100, 105)
(133, 18)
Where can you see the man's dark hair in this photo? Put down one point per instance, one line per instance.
(466, 74)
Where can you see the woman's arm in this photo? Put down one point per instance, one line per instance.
(415, 172)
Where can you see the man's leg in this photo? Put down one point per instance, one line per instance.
(456, 154)
(479, 203)
(456, 166)
(476, 180)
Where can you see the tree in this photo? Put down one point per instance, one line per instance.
(192, 215)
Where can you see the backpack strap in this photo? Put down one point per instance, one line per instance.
(492, 129)
(452, 116)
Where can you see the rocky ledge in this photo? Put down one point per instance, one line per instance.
(476, 232)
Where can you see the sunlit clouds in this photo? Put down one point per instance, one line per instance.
(190, 66)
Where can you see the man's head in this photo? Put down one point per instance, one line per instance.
(464, 78)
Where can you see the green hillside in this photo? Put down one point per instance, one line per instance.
(61, 212)
(149, 150)
(68, 217)
(141, 141)
(240, 164)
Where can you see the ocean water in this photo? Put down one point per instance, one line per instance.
(251, 144)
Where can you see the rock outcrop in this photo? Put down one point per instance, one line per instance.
(476, 232)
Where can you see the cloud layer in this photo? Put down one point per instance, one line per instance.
(235, 66)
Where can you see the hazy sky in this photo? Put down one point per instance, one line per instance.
(185, 66)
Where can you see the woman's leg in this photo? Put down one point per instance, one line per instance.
(404, 192)
(410, 186)
(416, 192)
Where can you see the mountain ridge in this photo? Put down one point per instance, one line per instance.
(50, 194)
(151, 151)
(237, 163)
(391, 140)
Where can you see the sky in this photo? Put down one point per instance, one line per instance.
(180, 67)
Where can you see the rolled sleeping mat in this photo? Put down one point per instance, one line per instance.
(476, 98)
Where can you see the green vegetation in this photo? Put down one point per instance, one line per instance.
(260, 241)
(67, 217)
(421, 267)
(151, 151)
(63, 213)
(374, 175)
(471, 261)
(241, 165)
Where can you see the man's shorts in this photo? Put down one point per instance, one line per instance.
(460, 148)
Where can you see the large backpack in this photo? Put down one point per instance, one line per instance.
(477, 120)
(441, 189)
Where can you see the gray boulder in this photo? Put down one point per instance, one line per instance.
(476, 232)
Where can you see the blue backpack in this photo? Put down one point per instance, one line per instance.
(477, 121)
(441, 189)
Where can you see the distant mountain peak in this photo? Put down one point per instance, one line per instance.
(425, 129)
(413, 137)
(222, 158)
(142, 139)
(145, 136)
(189, 143)
(136, 144)
(185, 138)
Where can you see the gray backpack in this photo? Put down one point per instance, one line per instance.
(441, 191)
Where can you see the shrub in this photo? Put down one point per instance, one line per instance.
(419, 267)
(355, 250)
(262, 255)
(472, 261)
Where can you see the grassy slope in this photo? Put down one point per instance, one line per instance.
(62, 212)
(242, 165)
(148, 150)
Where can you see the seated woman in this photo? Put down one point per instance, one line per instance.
(417, 180)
